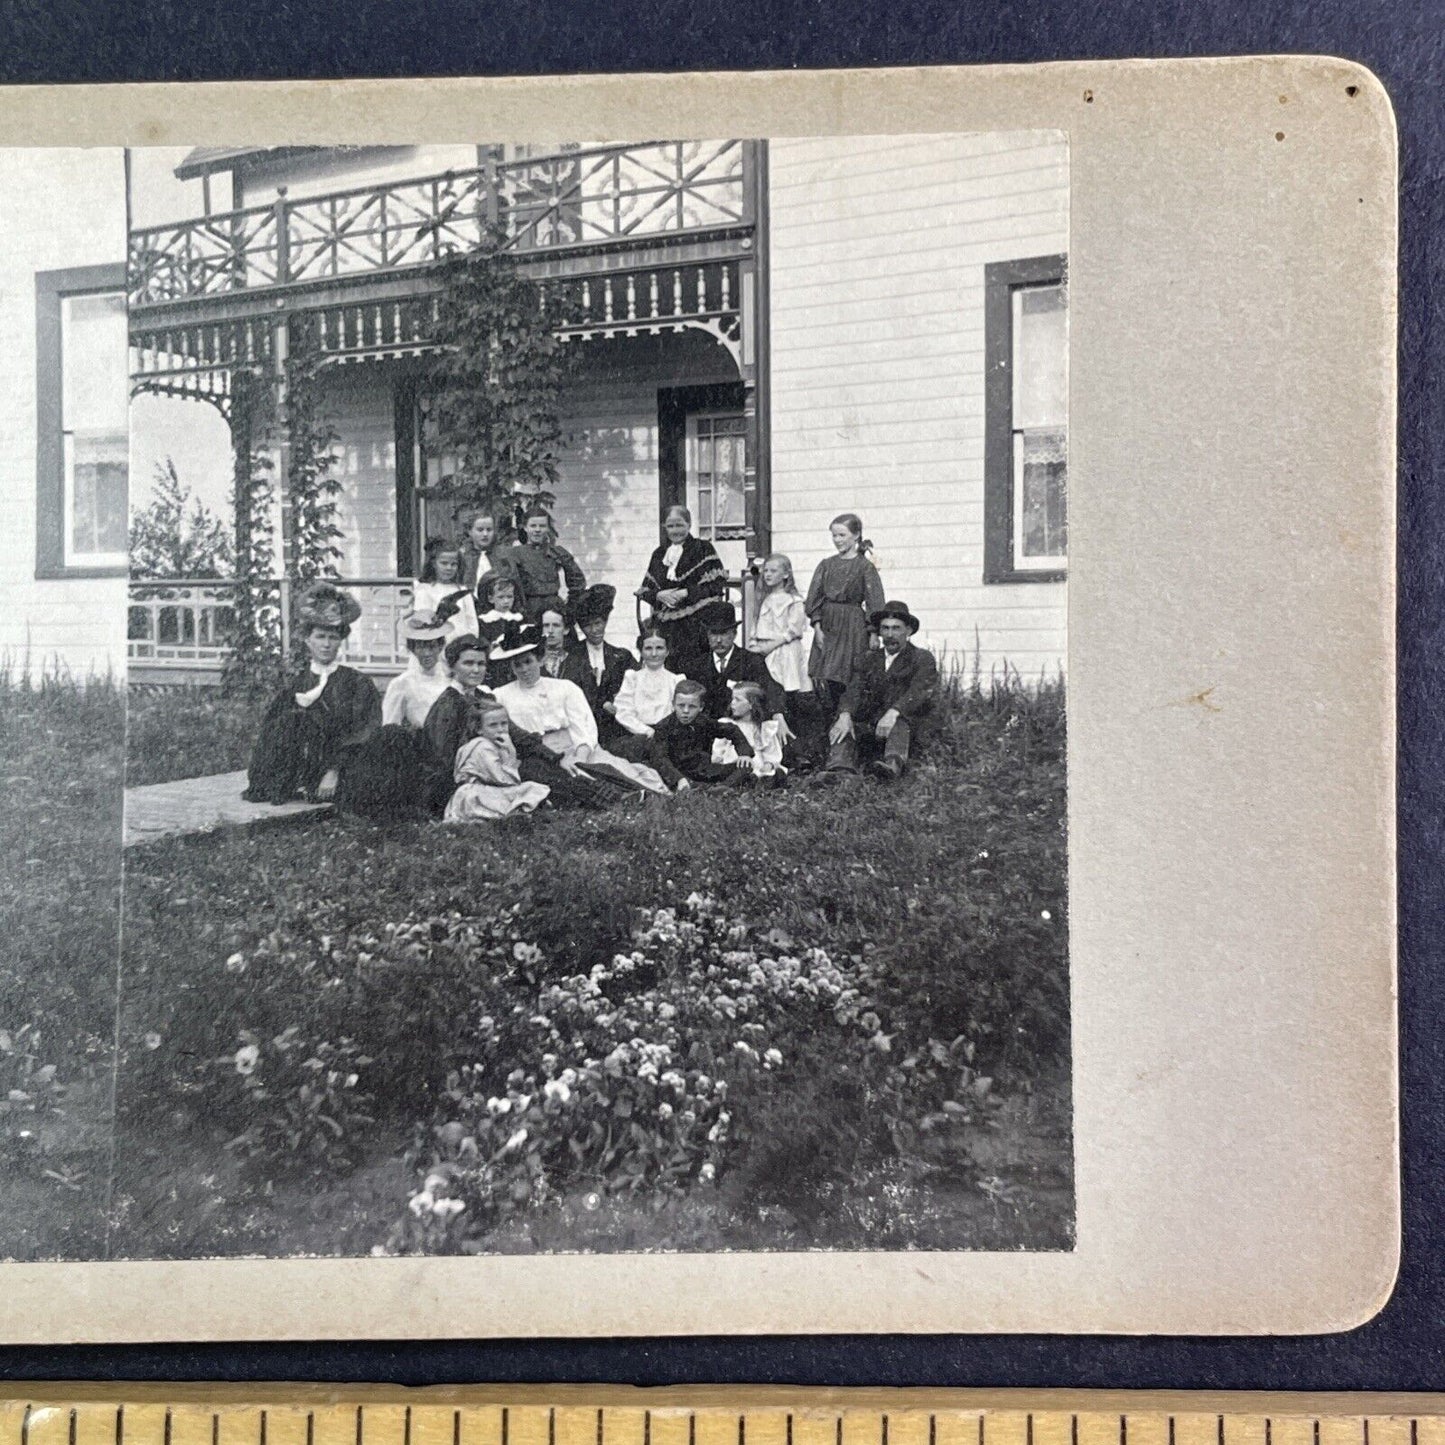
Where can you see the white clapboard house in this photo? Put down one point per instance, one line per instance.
(63, 397)
(774, 332)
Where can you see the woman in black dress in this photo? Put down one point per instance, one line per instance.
(683, 576)
(324, 714)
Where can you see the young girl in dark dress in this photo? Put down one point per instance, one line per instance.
(323, 716)
(845, 590)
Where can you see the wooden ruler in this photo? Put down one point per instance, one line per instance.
(741, 1415)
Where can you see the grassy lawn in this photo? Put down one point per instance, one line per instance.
(188, 732)
(61, 757)
(325, 1021)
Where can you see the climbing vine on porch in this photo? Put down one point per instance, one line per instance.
(312, 487)
(255, 655)
(493, 397)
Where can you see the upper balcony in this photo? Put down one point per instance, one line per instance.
(574, 213)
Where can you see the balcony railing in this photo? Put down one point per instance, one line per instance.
(601, 196)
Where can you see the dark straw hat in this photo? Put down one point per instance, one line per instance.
(517, 641)
(595, 603)
(718, 617)
(324, 605)
(898, 610)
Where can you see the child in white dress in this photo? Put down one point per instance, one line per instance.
(748, 709)
(441, 583)
(489, 781)
(781, 626)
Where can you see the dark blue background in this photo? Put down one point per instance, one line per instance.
(1403, 1348)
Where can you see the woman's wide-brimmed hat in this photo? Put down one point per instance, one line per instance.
(423, 627)
(324, 605)
(517, 641)
(898, 610)
(718, 617)
(595, 603)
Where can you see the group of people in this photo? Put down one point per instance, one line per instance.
(513, 698)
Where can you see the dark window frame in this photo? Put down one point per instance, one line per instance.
(1001, 280)
(51, 289)
(674, 405)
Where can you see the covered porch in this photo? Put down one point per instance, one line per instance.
(668, 402)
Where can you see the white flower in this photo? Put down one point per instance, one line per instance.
(236, 963)
(773, 1058)
(421, 1204)
(706, 1173)
(664, 1111)
(556, 1089)
(499, 1106)
(445, 1208)
(526, 953)
(351, 1080)
(568, 1077)
(592, 1201)
(247, 1057)
(1046, 915)
(515, 1142)
(153, 1040)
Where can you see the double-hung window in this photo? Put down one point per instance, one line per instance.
(715, 469)
(83, 435)
(1026, 421)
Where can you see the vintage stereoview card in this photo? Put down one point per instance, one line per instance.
(649, 706)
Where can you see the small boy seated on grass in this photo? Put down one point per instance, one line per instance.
(681, 748)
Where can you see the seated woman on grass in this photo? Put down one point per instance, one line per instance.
(557, 710)
(454, 720)
(324, 714)
(452, 716)
(644, 697)
(382, 779)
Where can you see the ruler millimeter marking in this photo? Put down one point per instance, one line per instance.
(232, 1415)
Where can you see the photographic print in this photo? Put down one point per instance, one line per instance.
(596, 754)
(686, 733)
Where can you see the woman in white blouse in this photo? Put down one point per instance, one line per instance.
(645, 697)
(410, 694)
(558, 711)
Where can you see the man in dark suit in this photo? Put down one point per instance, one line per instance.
(725, 664)
(596, 665)
(890, 701)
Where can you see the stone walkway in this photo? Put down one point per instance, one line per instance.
(199, 805)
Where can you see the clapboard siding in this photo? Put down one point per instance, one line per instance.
(63, 208)
(877, 256)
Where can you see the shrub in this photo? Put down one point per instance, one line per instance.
(668, 1069)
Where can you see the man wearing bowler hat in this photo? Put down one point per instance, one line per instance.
(725, 664)
(890, 700)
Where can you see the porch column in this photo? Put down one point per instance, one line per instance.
(753, 309)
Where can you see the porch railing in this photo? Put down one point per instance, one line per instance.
(186, 624)
(598, 196)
